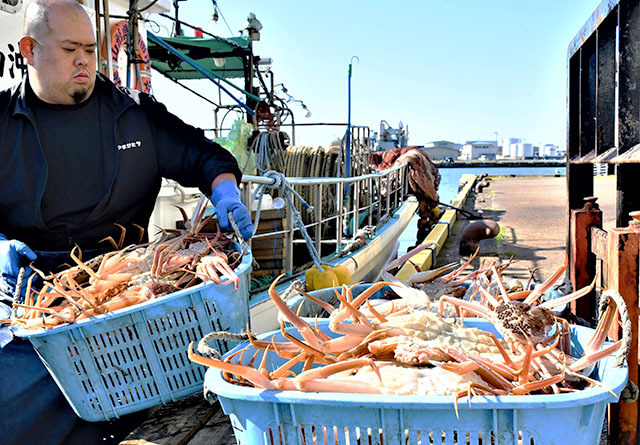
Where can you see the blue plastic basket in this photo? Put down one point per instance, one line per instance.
(135, 358)
(293, 417)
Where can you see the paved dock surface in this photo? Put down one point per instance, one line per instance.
(533, 215)
(532, 212)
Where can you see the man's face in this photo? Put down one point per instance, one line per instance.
(64, 63)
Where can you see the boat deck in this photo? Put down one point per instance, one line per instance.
(532, 212)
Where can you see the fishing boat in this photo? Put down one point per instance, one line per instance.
(332, 212)
(331, 206)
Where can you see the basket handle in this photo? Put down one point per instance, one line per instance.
(630, 392)
(204, 349)
(236, 229)
(605, 298)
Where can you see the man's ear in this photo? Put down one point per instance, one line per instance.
(27, 44)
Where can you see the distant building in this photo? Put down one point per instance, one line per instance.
(549, 151)
(522, 150)
(484, 150)
(441, 150)
(508, 147)
(515, 148)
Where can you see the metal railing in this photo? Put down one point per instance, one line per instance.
(371, 200)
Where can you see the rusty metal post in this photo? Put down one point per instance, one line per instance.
(624, 252)
(582, 268)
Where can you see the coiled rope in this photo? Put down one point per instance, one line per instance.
(269, 152)
(281, 184)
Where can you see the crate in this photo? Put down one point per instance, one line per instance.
(135, 358)
(292, 417)
(269, 251)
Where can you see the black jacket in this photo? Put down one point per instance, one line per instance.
(147, 143)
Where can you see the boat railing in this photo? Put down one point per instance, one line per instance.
(367, 200)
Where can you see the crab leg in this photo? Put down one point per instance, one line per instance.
(428, 275)
(403, 259)
(315, 379)
(470, 391)
(474, 308)
(305, 330)
(568, 298)
(498, 279)
(534, 386)
(253, 375)
(548, 282)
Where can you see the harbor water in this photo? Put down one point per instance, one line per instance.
(448, 189)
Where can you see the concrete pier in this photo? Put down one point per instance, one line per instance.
(533, 215)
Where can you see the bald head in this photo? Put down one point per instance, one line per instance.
(59, 46)
(37, 13)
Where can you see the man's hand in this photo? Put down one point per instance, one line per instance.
(13, 255)
(226, 198)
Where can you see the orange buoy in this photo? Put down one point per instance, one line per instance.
(119, 40)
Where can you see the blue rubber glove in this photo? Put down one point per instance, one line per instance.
(226, 198)
(13, 255)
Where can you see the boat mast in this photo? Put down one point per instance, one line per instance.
(107, 38)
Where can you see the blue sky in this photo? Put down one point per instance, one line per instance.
(455, 70)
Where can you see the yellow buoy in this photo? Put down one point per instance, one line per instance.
(323, 280)
(309, 276)
(344, 276)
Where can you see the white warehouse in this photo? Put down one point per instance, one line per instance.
(478, 150)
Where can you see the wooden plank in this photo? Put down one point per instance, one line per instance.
(587, 95)
(270, 214)
(606, 85)
(579, 186)
(271, 225)
(582, 269)
(174, 423)
(268, 254)
(264, 226)
(267, 273)
(628, 75)
(573, 126)
(624, 252)
(270, 264)
(217, 431)
(271, 242)
(599, 243)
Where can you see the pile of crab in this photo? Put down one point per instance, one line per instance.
(127, 276)
(412, 350)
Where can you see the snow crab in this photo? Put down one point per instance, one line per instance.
(130, 275)
(416, 352)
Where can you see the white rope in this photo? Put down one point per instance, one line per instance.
(611, 294)
(16, 293)
(204, 349)
(268, 151)
(630, 392)
(287, 191)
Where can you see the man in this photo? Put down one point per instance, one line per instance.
(77, 155)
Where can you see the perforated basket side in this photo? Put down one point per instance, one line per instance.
(136, 358)
(290, 423)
